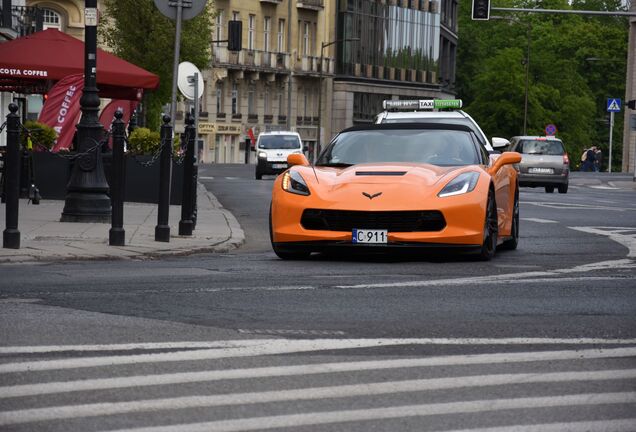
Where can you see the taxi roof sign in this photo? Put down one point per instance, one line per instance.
(422, 104)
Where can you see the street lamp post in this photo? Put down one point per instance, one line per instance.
(87, 191)
(324, 45)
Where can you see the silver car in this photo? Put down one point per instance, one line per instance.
(544, 162)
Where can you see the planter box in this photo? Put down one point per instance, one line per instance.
(391, 73)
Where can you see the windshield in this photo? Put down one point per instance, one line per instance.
(279, 142)
(436, 147)
(541, 147)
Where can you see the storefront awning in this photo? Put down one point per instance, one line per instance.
(32, 64)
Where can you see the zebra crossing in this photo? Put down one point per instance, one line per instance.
(321, 384)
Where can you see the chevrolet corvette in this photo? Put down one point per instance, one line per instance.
(380, 187)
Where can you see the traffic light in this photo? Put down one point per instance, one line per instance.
(235, 35)
(481, 10)
(632, 104)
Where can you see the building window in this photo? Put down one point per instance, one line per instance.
(235, 107)
(306, 31)
(281, 35)
(218, 27)
(235, 16)
(219, 97)
(251, 100)
(250, 31)
(52, 19)
(267, 23)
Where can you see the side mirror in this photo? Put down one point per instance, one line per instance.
(506, 158)
(297, 159)
(306, 148)
(499, 143)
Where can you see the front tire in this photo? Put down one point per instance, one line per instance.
(513, 241)
(491, 230)
(258, 175)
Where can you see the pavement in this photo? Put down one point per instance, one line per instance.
(44, 238)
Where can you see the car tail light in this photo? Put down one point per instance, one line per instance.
(566, 159)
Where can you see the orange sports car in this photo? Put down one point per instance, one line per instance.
(400, 185)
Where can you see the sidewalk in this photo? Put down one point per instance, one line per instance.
(603, 180)
(44, 238)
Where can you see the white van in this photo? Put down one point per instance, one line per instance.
(272, 149)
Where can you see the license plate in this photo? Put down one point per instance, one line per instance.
(366, 236)
(540, 170)
(282, 165)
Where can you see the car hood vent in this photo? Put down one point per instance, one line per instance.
(380, 173)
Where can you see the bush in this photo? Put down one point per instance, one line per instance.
(42, 136)
(143, 141)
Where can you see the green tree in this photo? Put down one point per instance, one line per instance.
(140, 34)
(576, 62)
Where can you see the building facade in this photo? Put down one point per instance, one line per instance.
(271, 84)
(391, 49)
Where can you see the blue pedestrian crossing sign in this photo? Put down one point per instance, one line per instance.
(613, 105)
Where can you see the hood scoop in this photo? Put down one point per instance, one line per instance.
(380, 173)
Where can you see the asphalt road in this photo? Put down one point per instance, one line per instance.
(542, 338)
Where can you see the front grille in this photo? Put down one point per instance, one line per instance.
(393, 221)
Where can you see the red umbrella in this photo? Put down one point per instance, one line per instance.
(32, 64)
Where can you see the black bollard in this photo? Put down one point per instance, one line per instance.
(186, 225)
(117, 234)
(11, 234)
(248, 145)
(162, 230)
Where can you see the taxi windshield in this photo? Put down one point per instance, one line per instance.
(279, 142)
(431, 146)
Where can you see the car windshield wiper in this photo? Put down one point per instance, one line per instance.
(535, 153)
(335, 164)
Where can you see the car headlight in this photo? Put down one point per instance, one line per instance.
(294, 183)
(262, 155)
(463, 183)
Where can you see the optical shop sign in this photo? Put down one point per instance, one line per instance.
(27, 73)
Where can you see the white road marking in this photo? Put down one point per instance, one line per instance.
(128, 347)
(508, 277)
(308, 369)
(205, 178)
(619, 235)
(309, 393)
(286, 332)
(574, 206)
(424, 410)
(284, 346)
(537, 220)
(603, 187)
(621, 425)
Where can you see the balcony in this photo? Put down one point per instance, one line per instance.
(250, 60)
(272, 1)
(18, 21)
(315, 5)
(308, 65)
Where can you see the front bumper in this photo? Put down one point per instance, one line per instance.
(464, 216)
(264, 166)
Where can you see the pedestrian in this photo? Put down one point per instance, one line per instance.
(598, 160)
(588, 158)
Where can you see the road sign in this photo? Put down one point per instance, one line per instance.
(550, 130)
(190, 8)
(613, 105)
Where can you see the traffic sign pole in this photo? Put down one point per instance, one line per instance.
(609, 168)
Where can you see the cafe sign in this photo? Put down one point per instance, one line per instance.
(219, 128)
